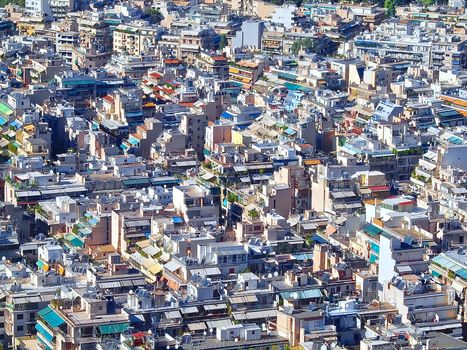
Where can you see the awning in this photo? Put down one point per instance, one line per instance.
(16, 124)
(198, 326)
(44, 344)
(109, 285)
(172, 266)
(311, 162)
(441, 327)
(404, 269)
(42, 265)
(379, 188)
(313, 293)
(243, 299)
(53, 319)
(113, 328)
(74, 241)
(254, 315)
(207, 176)
(171, 315)
(137, 319)
(177, 220)
(189, 310)
(155, 269)
(44, 311)
(372, 230)
(219, 323)
(458, 286)
(46, 334)
(221, 306)
(208, 271)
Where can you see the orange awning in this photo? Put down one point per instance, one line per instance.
(311, 162)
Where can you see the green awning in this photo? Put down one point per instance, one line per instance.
(44, 311)
(45, 345)
(287, 76)
(372, 230)
(113, 328)
(53, 319)
(40, 264)
(5, 109)
(44, 331)
(75, 241)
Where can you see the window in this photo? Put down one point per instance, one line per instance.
(20, 317)
(19, 328)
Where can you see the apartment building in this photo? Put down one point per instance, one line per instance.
(196, 205)
(134, 39)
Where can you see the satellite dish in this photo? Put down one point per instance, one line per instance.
(269, 275)
(323, 347)
(3, 258)
(276, 274)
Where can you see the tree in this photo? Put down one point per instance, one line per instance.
(428, 2)
(390, 6)
(20, 3)
(231, 197)
(222, 42)
(308, 44)
(253, 213)
(155, 16)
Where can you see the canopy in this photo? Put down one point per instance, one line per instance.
(113, 328)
